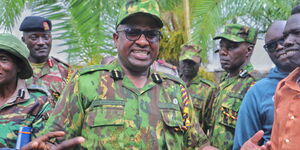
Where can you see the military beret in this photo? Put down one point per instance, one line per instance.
(16, 47)
(35, 23)
(238, 33)
(133, 8)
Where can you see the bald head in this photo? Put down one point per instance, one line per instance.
(275, 31)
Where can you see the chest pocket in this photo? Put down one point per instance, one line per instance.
(229, 110)
(171, 114)
(198, 101)
(106, 113)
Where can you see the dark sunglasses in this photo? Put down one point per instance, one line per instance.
(134, 34)
(272, 45)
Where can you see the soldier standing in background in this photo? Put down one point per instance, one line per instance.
(48, 72)
(126, 105)
(19, 105)
(236, 47)
(201, 90)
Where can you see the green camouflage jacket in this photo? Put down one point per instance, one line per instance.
(225, 107)
(202, 92)
(105, 107)
(52, 77)
(28, 109)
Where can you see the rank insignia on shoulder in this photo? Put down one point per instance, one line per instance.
(116, 75)
(46, 26)
(156, 78)
(243, 73)
(21, 93)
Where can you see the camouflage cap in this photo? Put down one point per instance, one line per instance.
(14, 46)
(140, 7)
(238, 33)
(191, 52)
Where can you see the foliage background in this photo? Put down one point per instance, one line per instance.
(86, 26)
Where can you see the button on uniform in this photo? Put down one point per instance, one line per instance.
(286, 140)
(175, 101)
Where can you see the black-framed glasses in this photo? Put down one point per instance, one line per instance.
(132, 34)
(272, 45)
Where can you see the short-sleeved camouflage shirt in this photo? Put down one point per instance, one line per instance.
(101, 104)
(32, 110)
(225, 107)
(202, 92)
(52, 77)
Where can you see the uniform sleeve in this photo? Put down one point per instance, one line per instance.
(208, 115)
(195, 136)
(40, 119)
(207, 109)
(68, 114)
(248, 122)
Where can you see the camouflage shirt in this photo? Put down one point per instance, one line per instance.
(226, 104)
(105, 107)
(202, 92)
(30, 108)
(52, 77)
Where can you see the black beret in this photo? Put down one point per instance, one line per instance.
(35, 23)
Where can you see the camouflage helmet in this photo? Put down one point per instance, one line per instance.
(238, 33)
(191, 52)
(134, 8)
(15, 47)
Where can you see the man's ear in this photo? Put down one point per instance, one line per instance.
(250, 50)
(116, 42)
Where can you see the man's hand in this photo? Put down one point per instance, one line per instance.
(251, 144)
(41, 143)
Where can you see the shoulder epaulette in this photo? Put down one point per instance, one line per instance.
(156, 78)
(210, 83)
(93, 68)
(39, 89)
(173, 78)
(60, 61)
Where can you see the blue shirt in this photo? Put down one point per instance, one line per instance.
(257, 109)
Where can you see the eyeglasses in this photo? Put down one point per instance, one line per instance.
(272, 45)
(132, 34)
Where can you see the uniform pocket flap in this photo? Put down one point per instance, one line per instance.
(97, 103)
(201, 98)
(168, 106)
(106, 112)
(235, 95)
(171, 114)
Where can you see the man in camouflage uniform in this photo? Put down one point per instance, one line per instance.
(19, 106)
(48, 72)
(236, 47)
(201, 90)
(126, 105)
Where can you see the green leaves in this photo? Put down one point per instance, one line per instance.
(10, 11)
